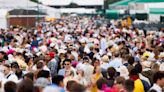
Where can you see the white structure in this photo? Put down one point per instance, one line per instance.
(7, 5)
(82, 4)
(3, 20)
(154, 10)
(67, 2)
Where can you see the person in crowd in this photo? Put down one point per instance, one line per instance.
(25, 86)
(10, 86)
(69, 48)
(9, 74)
(58, 80)
(67, 68)
(158, 79)
(96, 75)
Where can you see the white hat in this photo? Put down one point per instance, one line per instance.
(161, 55)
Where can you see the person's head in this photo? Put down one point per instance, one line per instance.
(86, 59)
(70, 84)
(41, 83)
(116, 54)
(155, 67)
(67, 63)
(58, 80)
(158, 78)
(138, 67)
(2, 54)
(120, 80)
(44, 74)
(14, 66)
(101, 83)
(25, 86)
(29, 76)
(80, 71)
(76, 87)
(111, 71)
(39, 65)
(134, 71)
(129, 85)
(105, 59)
(7, 69)
(97, 69)
(131, 60)
(10, 86)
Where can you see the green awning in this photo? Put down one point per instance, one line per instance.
(126, 2)
(99, 11)
(156, 10)
(150, 1)
(112, 14)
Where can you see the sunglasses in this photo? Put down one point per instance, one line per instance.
(66, 64)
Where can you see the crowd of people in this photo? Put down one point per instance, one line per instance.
(81, 54)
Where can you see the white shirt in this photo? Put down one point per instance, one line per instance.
(156, 87)
(11, 77)
(116, 62)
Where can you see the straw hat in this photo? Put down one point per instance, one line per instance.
(105, 58)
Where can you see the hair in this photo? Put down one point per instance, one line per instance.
(29, 76)
(111, 71)
(116, 54)
(120, 80)
(129, 85)
(57, 79)
(138, 67)
(155, 67)
(43, 73)
(134, 71)
(131, 60)
(10, 86)
(39, 65)
(158, 75)
(19, 73)
(101, 82)
(7, 65)
(25, 86)
(67, 60)
(70, 84)
(14, 65)
(76, 87)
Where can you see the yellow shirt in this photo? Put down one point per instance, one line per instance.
(95, 78)
(138, 86)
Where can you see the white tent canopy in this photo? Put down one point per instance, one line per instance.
(67, 2)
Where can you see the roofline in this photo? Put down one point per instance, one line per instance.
(14, 16)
